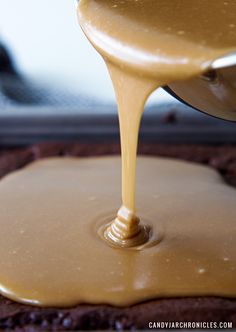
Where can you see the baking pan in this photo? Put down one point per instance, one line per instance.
(31, 112)
(170, 123)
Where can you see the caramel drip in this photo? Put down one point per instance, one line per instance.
(126, 229)
(147, 44)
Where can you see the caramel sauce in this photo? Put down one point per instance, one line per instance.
(61, 238)
(147, 44)
(52, 255)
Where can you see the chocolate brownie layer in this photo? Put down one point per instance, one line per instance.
(82, 317)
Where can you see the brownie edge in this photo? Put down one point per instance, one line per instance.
(15, 316)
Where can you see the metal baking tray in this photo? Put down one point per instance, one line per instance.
(170, 123)
(32, 112)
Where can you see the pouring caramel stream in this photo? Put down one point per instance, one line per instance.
(147, 44)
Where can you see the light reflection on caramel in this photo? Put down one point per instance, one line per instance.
(147, 44)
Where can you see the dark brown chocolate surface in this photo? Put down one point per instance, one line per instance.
(88, 317)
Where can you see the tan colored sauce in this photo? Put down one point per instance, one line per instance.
(51, 253)
(147, 44)
(126, 230)
(55, 213)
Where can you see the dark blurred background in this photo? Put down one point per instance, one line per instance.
(55, 87)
